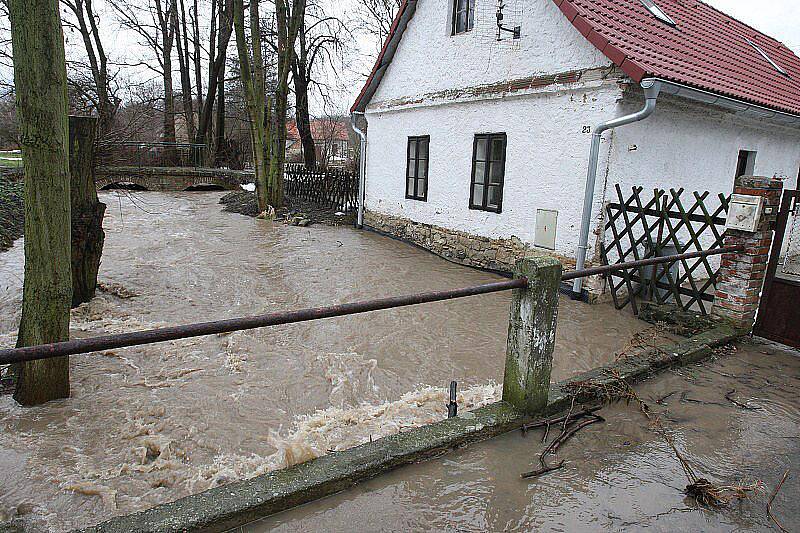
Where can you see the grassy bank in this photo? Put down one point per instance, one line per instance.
(12, 218)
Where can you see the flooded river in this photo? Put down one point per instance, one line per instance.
(617, 476)
(147, 425)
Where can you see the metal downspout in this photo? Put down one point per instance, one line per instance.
(651, 89)
(362, 168)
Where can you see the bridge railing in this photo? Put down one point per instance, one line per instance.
(151, 154)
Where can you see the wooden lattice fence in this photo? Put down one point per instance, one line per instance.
(645, 225)
(334, 188)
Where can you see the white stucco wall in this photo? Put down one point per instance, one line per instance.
(684, 144)
(429, 59)
(693, 145)
(546, 160)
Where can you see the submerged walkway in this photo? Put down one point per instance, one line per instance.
(617, 476)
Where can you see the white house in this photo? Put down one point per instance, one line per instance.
(479, 128)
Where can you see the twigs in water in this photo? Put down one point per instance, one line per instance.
(586, 417)
(548, 421)
(117, 290)
(702, 490)
(730, 398)
(685, 398)
(772, 497)
(543, 470)
(709, 495)
(663, 399)
(647, 339)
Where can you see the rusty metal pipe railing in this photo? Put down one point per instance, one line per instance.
(645, 262)
(121, 340)
(136, 338)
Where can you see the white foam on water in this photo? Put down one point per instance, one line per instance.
(350, 377)
(338, 428)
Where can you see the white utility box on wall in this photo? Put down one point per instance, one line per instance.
(744, 212)
(546, 222)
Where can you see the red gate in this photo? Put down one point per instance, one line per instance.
(779, 311)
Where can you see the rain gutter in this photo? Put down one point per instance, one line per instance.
(651, 89)
(362, 167)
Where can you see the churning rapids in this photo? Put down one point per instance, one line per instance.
(146, 425)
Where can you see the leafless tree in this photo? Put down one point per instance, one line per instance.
(155, 23)
(322, 43)
(181, 31)
(267, 113)
(221, 27)
(86, 23)
(375, 17)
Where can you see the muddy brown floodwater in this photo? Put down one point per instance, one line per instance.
(149, 424)
(618, 476)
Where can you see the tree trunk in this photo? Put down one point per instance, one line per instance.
(198, 69)
(167, 39)
(40, 79)
(277, 140)
(302, 116)
(184, 64)
(87, 210)
(220, 148)
(254, 95)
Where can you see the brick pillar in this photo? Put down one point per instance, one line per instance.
(741, 274)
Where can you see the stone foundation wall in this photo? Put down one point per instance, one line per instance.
(499, 255)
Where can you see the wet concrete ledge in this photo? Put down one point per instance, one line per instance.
(238, 503)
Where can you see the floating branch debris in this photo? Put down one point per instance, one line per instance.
(772, 498)
(570, 425)
(701, 489)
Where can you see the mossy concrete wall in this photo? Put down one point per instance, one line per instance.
(241, 502)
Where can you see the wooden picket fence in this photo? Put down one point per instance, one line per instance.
(646, 225)
(335, 188)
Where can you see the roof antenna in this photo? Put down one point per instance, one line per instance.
(515, 31)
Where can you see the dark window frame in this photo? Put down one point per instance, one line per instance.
(745, 162)
(421, 196)
(469, 10)
(484, 205)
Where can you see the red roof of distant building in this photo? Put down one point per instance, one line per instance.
(706, 49)
(321, 130)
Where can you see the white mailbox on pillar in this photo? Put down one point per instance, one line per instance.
(744, 212)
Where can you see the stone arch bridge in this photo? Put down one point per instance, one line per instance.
(171, 178)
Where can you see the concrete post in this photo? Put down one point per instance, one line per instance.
(741, 275)
(532, 334)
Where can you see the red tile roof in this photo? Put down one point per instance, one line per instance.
(706, 49)
(321, 130)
